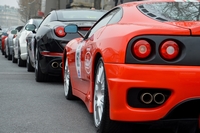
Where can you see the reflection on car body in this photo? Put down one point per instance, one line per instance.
(139, 63)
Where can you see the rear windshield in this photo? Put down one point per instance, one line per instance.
(37, 22)
(67, 15)
(172, 11)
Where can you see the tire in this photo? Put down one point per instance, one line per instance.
(103, 123)
(39, 76)
(9, 55)
(29, 67)
(14, 60)
(67, 83)
(20, 62)
(5, 54)
(2, 52)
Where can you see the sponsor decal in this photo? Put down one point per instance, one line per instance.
(88, 60)
(78, 60)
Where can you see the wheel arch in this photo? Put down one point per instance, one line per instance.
(19, 48)
(34, 47)
(95, 62)
(96, 59)
(63, 63)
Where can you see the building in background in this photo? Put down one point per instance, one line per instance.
(9, 16)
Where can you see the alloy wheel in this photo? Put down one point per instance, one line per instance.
(36, 59)
(99, 94)
(66, 78)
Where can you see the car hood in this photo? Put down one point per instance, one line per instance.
(193, 26)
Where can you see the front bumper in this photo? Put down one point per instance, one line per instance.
(183, 82)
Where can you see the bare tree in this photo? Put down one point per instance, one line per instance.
(28, 9)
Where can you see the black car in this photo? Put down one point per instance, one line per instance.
(51, 38)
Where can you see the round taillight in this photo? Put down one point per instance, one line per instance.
(60, 31)
(169, 50)
(142, 49)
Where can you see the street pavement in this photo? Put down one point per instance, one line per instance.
(27, 106)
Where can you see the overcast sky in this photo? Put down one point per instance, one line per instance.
(9, 3)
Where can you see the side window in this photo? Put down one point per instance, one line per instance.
(117, 17)
(46, 20)
(104, 21)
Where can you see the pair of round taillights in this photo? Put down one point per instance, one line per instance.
(169, 49)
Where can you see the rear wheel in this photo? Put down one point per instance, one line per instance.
(14, 60)
(20, 62)
(39, 76)
(9, 56)
(2, 51)
(101, 115)
(5, 54)
(67, 83)
(30, 68)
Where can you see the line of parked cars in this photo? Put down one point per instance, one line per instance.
(138, 62)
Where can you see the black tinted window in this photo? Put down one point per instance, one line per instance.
(103, 22)
(172, 11)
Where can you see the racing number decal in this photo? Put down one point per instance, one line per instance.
(78, 60)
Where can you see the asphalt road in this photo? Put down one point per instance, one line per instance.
(27, 106)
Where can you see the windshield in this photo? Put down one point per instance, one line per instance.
(67, 15)
(172, 11)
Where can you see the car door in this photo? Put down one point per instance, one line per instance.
(85, 52)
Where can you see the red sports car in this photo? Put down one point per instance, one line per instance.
(139, 63)
(3, 38)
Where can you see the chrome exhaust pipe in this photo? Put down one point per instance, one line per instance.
(159, 98)
(61, 65)
(54, 64)
(146, 98)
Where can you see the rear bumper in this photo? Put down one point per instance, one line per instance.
(183, 82)
(51, 65)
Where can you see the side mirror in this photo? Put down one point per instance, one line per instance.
(30, 27)
(14, 32)
(71, 28)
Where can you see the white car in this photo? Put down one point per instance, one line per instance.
(21, 43)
